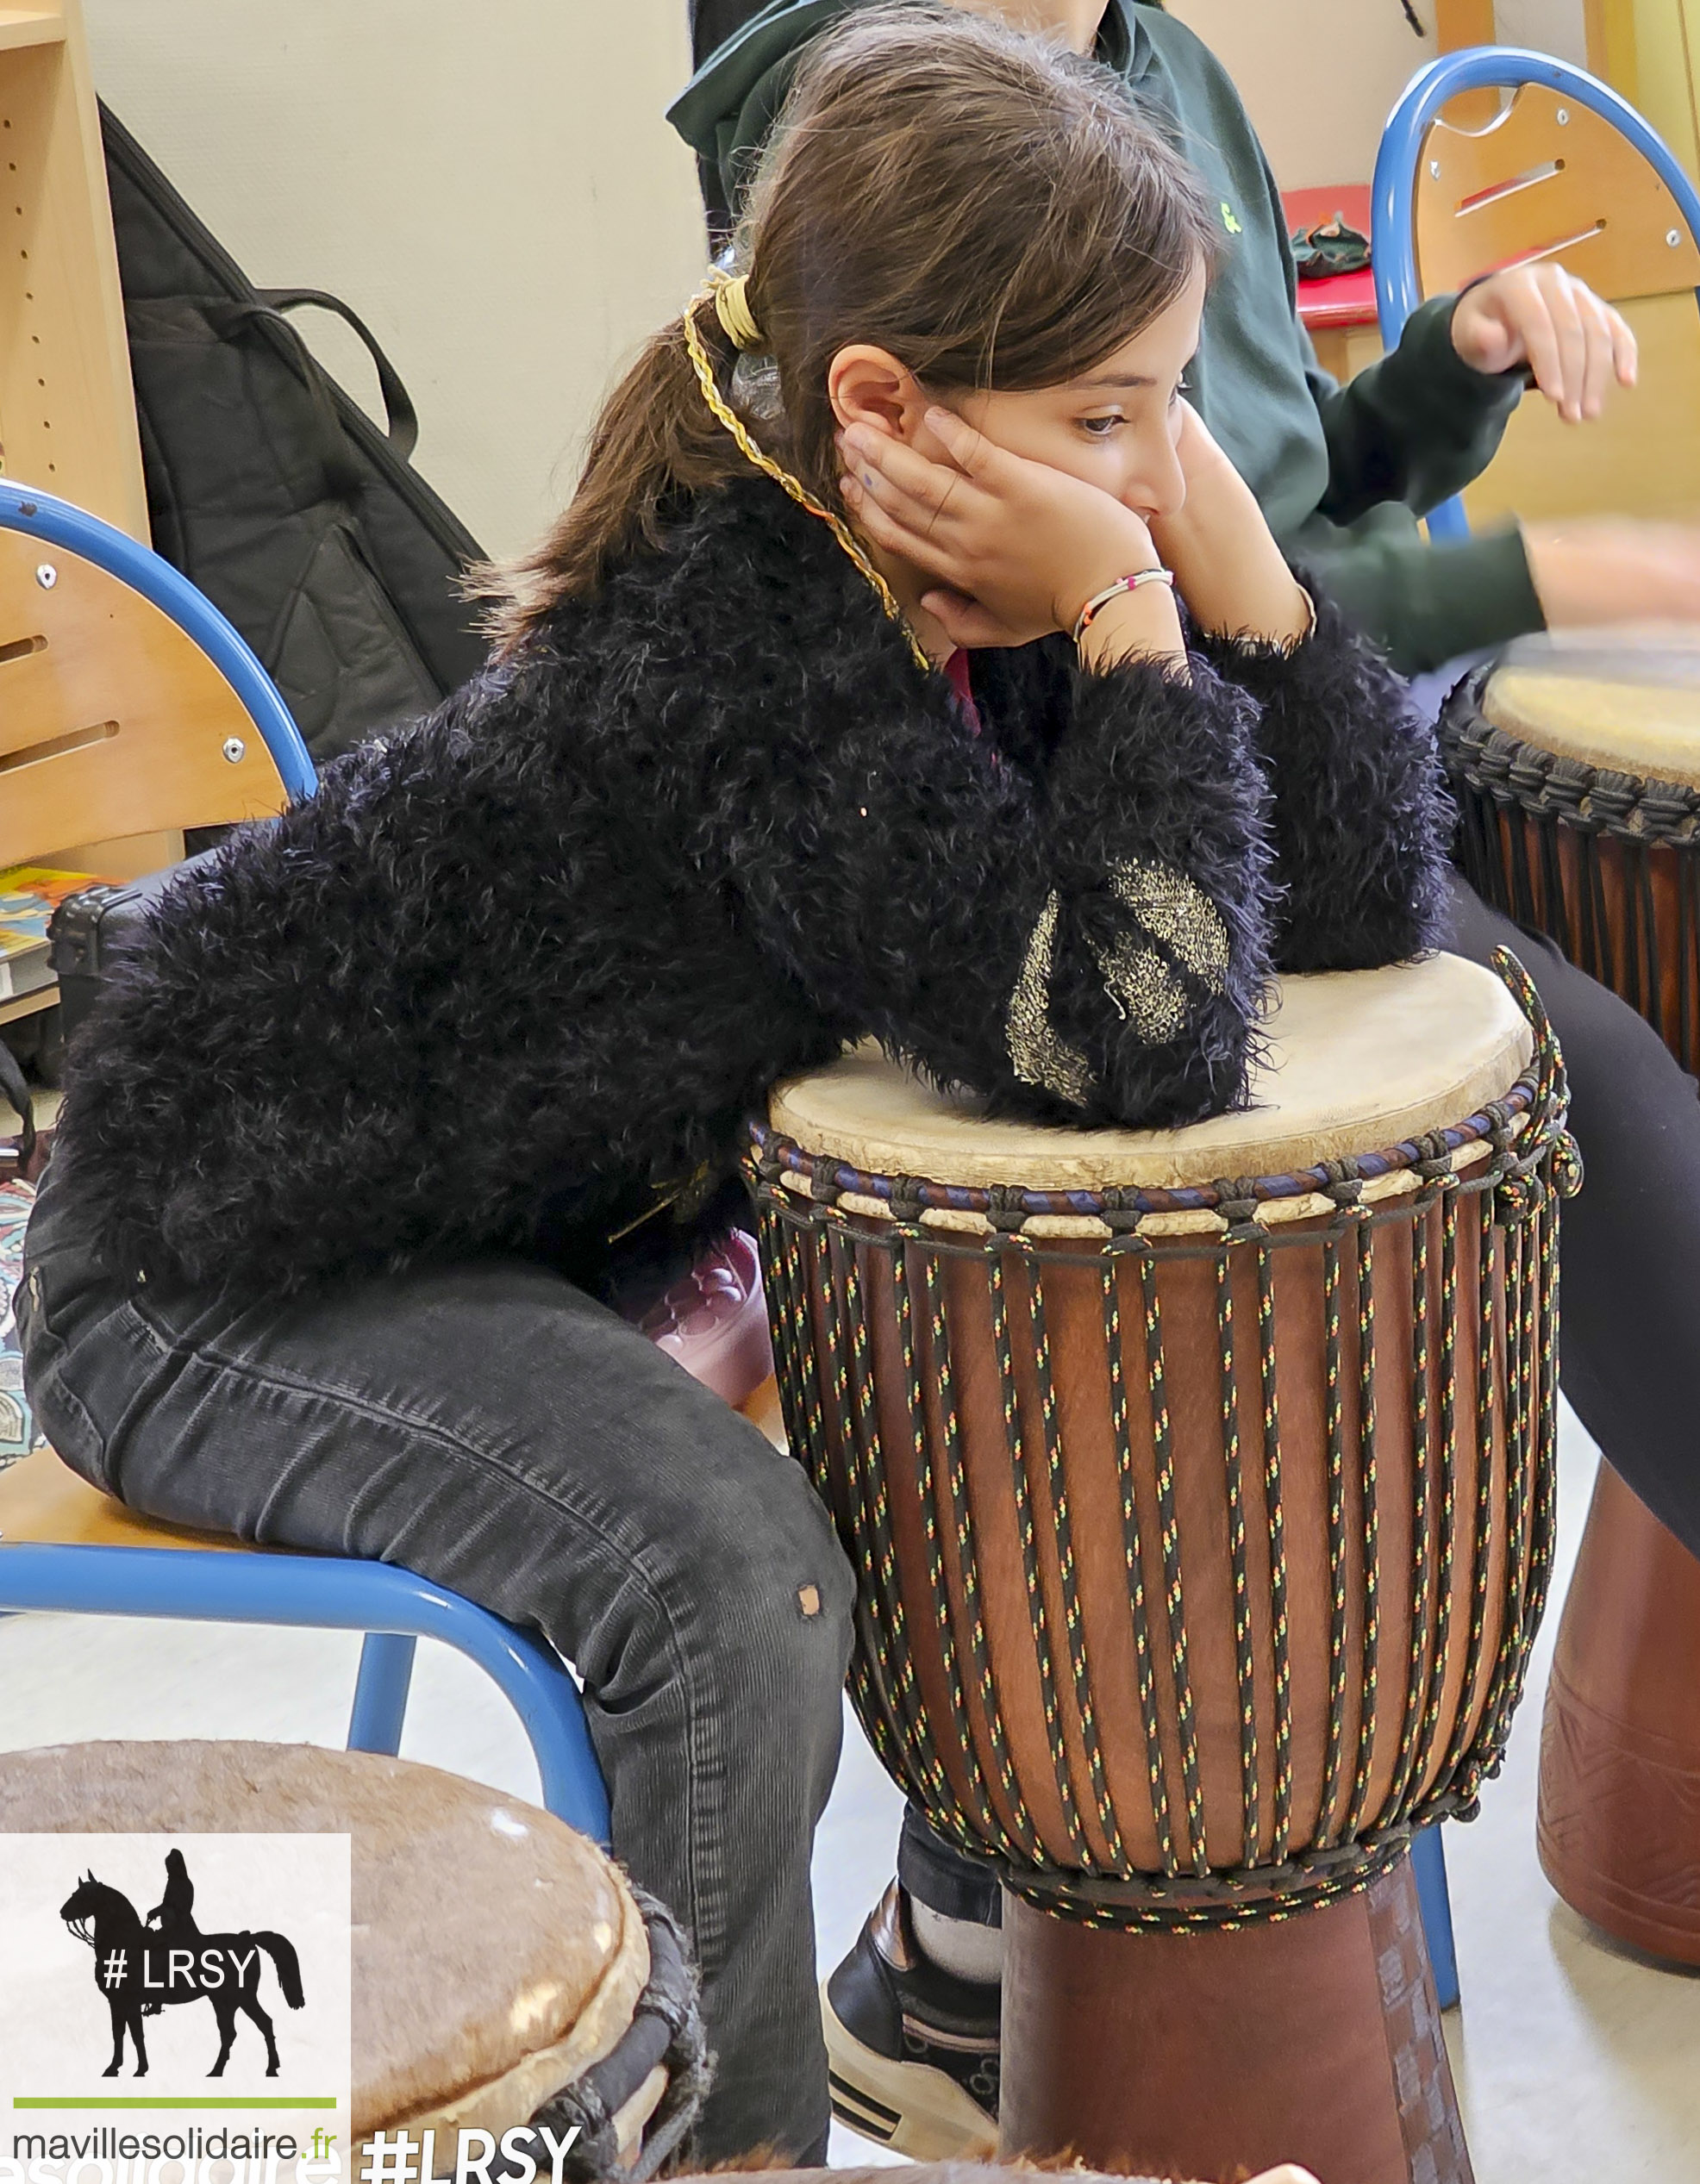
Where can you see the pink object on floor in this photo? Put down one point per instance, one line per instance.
(714, 1320)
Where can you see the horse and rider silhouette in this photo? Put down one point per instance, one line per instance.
(139, 1969)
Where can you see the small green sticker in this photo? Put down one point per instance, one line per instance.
(1228, 221)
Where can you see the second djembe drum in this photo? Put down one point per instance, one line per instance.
(1199, 1486)
(1575, 762)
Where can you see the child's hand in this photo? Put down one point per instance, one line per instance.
(1016, 547)
(1227, 567)
(1572, 341)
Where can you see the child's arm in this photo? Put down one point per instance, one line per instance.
(1361, 816)
(1089, 947)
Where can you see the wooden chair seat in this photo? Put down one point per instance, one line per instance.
(44, 1502)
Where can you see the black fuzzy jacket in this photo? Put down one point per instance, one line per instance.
(521, 970)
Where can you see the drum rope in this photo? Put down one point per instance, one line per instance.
(1650, 926)
(1276, 1516)
(1022, 1837)
(1688, 954)
(1174, 1604)
(1424, 1459)
(1333, 1423)
(1015, 1438)
(874, 1604)
(851, 1376)
(1446, 1553)
(1063, 1538)
(1244, 1657)
(1368, 1711)
(871, 1699)
(1133, 1553)
(1472, 1700)
(927, 1492)
(1554, 898)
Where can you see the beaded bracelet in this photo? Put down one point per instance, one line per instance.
(1101, 599)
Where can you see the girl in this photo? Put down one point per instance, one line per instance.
(765, 761)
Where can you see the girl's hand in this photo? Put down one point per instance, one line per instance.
(1015, 548)
(1573, 342)
(1230, 569)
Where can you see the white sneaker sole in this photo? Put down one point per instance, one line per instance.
(908, 2107)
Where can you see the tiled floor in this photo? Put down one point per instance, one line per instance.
(1577, 2065)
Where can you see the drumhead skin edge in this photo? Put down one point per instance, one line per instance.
(1357, 1061)
(1628, 701)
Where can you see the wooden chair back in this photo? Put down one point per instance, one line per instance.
(1549, 179)
(113, 721)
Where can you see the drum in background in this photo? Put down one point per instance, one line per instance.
(502, 1967)
(1576, 763)
(1618, 1824)
(1202, 1527)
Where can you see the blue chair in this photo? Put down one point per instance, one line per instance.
(1570, 170)
(120, 684)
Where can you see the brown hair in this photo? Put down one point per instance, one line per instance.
(991, 210)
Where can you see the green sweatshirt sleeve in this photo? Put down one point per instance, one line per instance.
(1424, 604)
(1416, 426)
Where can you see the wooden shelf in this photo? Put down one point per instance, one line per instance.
(29, 1004)
(30, 27)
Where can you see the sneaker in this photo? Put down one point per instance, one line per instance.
(714, 1320)
(912, 2053)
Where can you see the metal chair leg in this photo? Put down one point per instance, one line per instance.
(380, 1692)
(1428, 1862)
(314, 1592)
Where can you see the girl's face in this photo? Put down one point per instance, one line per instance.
(1116, 426)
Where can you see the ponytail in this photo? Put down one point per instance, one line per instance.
(655, 441)
(990, 211)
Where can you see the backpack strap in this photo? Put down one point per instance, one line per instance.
(401, 420)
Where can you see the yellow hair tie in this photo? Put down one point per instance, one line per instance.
(728, 417)
(732, 307)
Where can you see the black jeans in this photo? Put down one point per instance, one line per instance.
(1630, 1276)
(495, 1429)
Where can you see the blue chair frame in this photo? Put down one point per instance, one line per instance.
(392, 1606)
(1393, 194)
(57, 523)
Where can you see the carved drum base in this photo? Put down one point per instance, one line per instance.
(1619, 1826)
(1313, 2039)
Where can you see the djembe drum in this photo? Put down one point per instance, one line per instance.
(502, 1968)
(1576, 763)
(1202, 1529)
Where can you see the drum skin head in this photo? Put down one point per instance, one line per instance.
(1358, 1061)
(1629, 700)
(496, 1954)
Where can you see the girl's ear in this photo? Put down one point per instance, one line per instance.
(867, 386)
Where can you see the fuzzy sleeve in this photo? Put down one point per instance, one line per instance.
(1088, 943)
(1361, 815)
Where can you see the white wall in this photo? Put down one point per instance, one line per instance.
(1320, 76)
(489, 183)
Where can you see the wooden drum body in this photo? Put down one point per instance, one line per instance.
(1202, 1528)
(1577, 767)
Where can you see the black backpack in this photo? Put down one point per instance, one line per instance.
(272, 490)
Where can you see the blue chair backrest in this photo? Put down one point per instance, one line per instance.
(1402, 148)
(57, 523)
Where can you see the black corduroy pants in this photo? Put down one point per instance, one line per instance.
(496, 1429)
